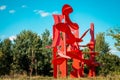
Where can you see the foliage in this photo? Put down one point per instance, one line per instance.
(47, 53)
(115, 34)
(5, 56)
(109, 64)
(28, 54)
(26, 46)
(101, 45)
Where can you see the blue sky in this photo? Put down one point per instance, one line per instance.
(36, 15)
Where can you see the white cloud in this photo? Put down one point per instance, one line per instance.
(55, 12)
(12, 11)
(43, 13)
(3, 7)
(23, 6)
(12, 38)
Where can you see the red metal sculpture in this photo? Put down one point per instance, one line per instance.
(66, 46)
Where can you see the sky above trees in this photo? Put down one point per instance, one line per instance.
(36, 15)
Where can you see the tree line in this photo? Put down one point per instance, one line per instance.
(28, 54)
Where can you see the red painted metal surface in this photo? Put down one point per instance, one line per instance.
(66, 45)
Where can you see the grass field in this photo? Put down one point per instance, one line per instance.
(23, 77)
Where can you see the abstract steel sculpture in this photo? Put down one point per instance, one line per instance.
(66, 46)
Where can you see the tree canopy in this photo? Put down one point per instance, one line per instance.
(28, 54)
(26, 46)
(115, 34)
(101, 45)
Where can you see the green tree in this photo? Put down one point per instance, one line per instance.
(101, 45)
(5, 56)
(1, 49)
(47, 53)
(115, 34)
(26, 46)
(103, 49)
(109, 64)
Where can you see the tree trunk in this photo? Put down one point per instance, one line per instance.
(32, 63)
